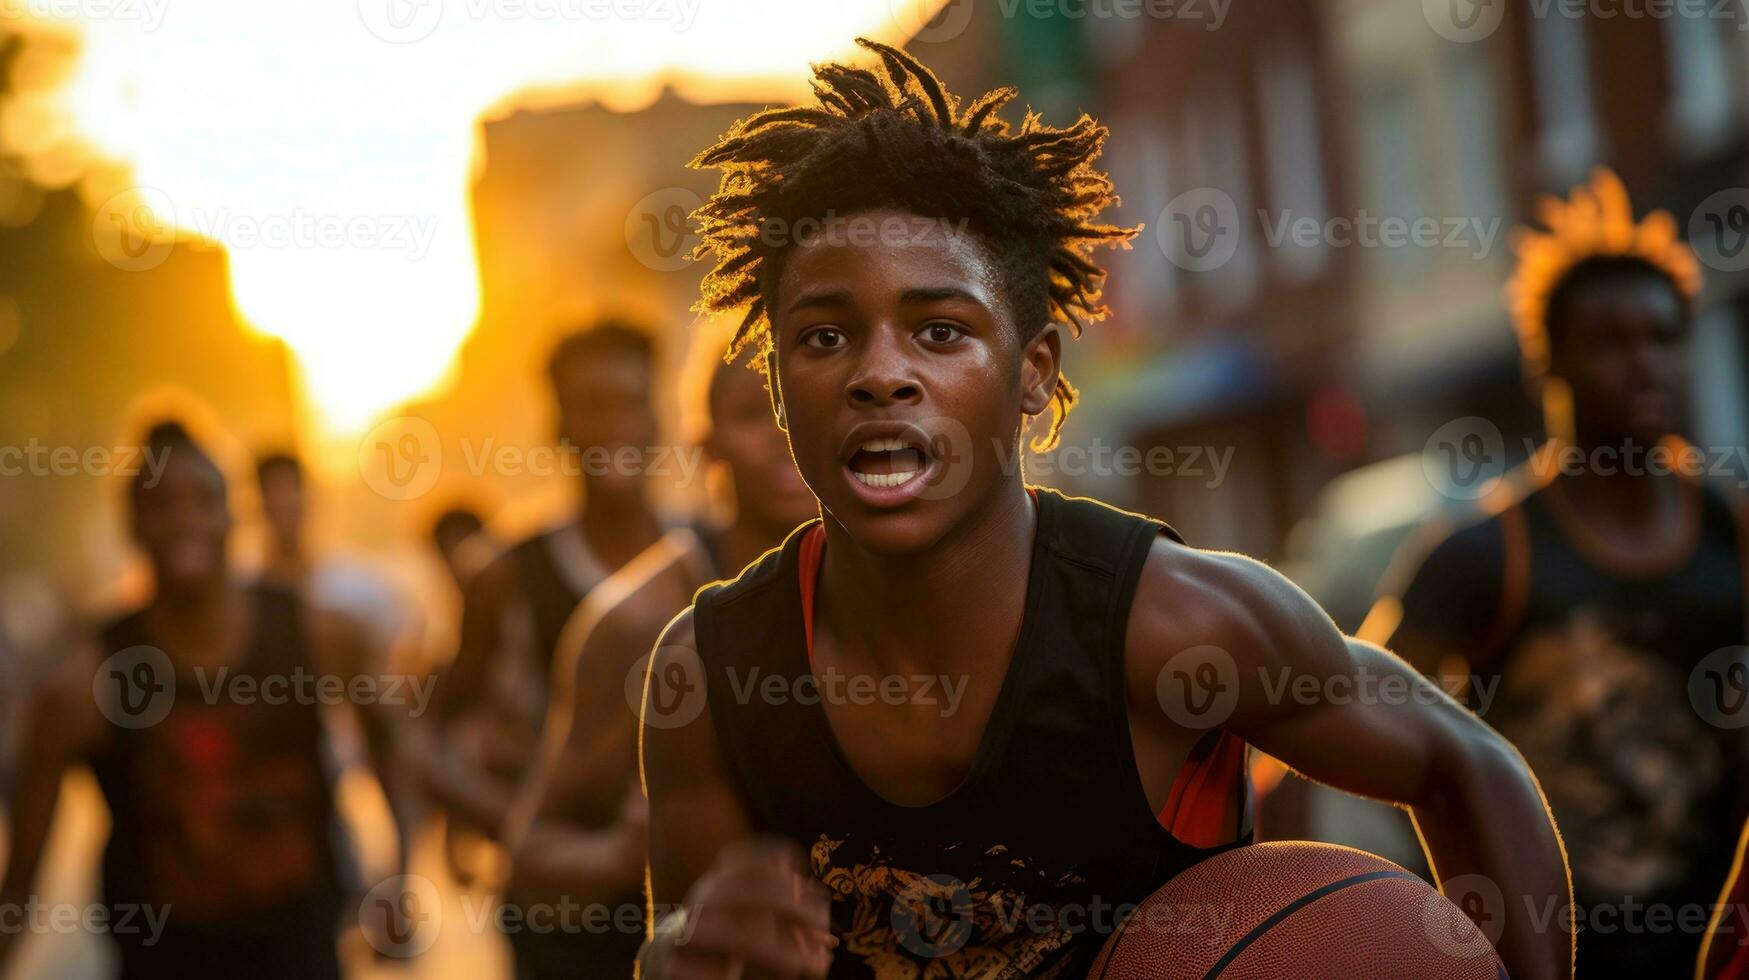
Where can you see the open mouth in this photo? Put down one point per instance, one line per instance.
(887, 463)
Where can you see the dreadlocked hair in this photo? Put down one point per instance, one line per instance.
(893, 138)
(1592, 234)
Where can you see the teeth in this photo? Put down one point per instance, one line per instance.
(883, 445)
(883, 479)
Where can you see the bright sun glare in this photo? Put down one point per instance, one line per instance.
(328, 145)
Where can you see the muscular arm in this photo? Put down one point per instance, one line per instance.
(695, 811)
(1347, 713)
(750, 905)
(579, 821)
(387, 719)
(468, 790)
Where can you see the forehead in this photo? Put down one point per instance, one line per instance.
(874, 255)
(607, 367)
(183, 472)
(1625, 301)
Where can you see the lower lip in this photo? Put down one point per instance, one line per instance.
(886, 497)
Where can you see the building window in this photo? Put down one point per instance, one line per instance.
(1396, 166)
(1702, 107)
(1475, 115)
(1569, 142)
(1215, 153)
(1296, 162)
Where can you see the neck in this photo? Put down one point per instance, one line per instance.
(1613, 476)
(907, 611)
(603, 507)
(617, 524)
(196, 606)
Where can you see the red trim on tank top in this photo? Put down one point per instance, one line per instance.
(1200, 806)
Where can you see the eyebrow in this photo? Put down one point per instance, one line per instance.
(839, 298)
(820, 297)
(930, 294)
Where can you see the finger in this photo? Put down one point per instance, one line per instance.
(755, 932)
(760, 950)
(792, 898)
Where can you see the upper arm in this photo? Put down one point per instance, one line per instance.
(1286, 680)
(483, 600)
(695, 810)
(592, 723)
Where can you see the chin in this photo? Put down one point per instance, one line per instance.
(891, 532)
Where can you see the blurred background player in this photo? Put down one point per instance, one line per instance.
(1593, 585)
(493, 697)
(579, 824)
(459, 535)
(333, 581)
(222, 808)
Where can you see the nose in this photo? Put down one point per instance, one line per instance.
(884, 375)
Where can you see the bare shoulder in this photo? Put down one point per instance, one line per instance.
(622, 617)
(1189, 597)
(679, 745)
(679, 638)
(643, 612)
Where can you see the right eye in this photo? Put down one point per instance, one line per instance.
(823, 338)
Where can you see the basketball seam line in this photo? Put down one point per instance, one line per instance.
(1292, 907)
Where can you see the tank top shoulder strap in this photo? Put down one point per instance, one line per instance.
(1209, 799)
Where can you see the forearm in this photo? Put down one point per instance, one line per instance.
(587, 865)
(1490, 836)
(468, 793)
(391, 744)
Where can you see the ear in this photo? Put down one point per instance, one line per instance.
(771, 388)
(1040, 370)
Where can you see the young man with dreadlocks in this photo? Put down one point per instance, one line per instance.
(826, 795)
(1596, 582)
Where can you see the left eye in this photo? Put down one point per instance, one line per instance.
(941, 333)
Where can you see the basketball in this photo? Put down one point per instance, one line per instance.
(1295, 909)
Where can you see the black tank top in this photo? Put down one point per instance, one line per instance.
(223, 810)
(1022, 870)
(1590, 669)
